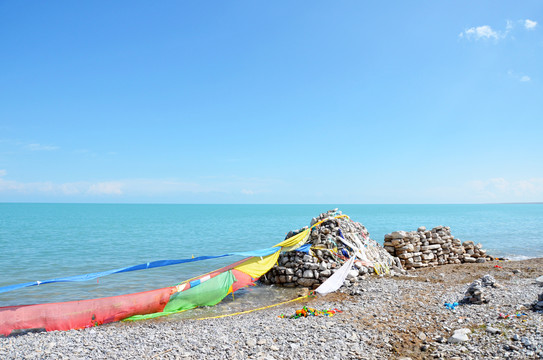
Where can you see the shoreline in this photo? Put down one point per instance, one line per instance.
(386, 317)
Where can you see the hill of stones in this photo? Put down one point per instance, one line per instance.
(423, 248)
(332, 243)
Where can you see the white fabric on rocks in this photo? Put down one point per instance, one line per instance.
(335, 281)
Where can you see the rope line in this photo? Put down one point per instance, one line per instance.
(249, 311)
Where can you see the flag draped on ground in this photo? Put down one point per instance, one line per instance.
(205, 290)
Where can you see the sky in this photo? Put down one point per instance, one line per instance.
(344, 102)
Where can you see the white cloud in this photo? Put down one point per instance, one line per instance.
(485, 32)
(502, 190)
(106, 188)
(71, 188)
(509, 26)
(128, 189)
(519, 77)
(39, 147)
(480, 32)
(161, 187)
(139, 187)
(14, 186)
(66, 189)
(499, 183)
(530, 24)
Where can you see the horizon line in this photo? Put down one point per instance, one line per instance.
(336, 204)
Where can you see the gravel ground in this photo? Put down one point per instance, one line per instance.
(383, 318)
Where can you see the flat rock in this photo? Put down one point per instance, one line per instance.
(460, 335)
(493, 330)
(251, 343)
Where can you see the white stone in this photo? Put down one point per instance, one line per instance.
(429, 256)
(460, 335)
(352, 274)
(493, 330)
(431, 247)
(251, 342)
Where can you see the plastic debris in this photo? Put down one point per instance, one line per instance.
(511, 316)
(305, 312)
(451, 306)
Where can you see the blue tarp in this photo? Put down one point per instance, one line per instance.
(149, 265)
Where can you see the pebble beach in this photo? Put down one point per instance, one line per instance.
(268, 181)
(383, 317)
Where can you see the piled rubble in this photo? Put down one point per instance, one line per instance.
(424, 248)
(332, 242)
(476, 293)
(538, 306)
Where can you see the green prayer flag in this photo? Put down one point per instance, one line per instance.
(208, 293)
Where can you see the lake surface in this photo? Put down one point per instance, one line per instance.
(44, 241)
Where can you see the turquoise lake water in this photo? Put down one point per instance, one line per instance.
(43, 241)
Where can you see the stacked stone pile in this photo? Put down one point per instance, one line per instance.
(476, 293)
(438, 246)
(331, 244)
(538, 306)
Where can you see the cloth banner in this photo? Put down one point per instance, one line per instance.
(149, 265)
(258, 266)
(335, 281)
(208, 293)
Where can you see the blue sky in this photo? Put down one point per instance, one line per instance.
(271, 102)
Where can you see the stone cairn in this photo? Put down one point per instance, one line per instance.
(476, 293)
(538, 305)
(424, 248)
(329, 245)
